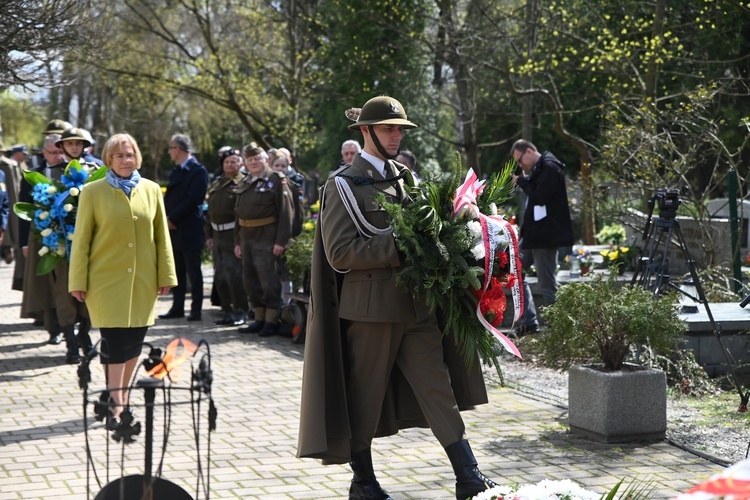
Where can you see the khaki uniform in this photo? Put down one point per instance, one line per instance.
(264, 214)
(69, 310)
(220, 224)
(388, 366)
(13, 178)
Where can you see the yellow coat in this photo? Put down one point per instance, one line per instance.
(121, 253)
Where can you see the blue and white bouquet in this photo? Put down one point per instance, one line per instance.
(54, 209)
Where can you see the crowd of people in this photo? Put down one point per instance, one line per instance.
(368, 338)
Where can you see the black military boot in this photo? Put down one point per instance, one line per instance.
(364, 485)
(55, 336)
(83, 339)
(71, 346)
(469, 481)
(271, 326)
(258, 324)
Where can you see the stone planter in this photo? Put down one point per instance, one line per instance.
(617, 407)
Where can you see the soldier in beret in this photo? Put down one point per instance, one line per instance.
(263, 216)
(220, 224)
(375, 358)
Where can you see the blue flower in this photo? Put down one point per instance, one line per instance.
(75, 178)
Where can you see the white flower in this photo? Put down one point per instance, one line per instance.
(545, 490)
(43, 251)
(61, 250)
(74, 191)
(68, 207)
(478, 251)
(43, 215)
(493, 209)
(475, 229)
(70, 236)
(51, 189)
(46, 232)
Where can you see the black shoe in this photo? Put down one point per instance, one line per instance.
(72, 358)
(55, 338)
(239, 319)
(368, 491)
(226, 320)
(469, 480)
(522, 331)
(171, 315)
(269, 329)
(194, 316)
(253, 328)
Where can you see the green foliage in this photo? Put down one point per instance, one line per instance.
(598, 321)
(436, 263)
(298, 256)
(684, 374)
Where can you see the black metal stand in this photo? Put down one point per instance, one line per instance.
(657, 237)
(148, 486)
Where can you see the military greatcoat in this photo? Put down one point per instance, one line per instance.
(354, 292)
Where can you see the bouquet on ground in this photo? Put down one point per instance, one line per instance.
(617, 256)
(459, 256)
(299, 253)
(544, 490)
(582, 255)
(53, 211)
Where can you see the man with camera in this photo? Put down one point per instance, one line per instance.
(546, 222)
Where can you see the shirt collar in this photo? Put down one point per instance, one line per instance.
(376, 162)
(185, 165)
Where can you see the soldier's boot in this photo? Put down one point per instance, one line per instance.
(364, 485)
(83, 339)
(71, 347)
(257, 325)
(55, 336)
(469, 480)
(271, 326)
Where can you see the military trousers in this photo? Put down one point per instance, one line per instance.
(416, 348)
(69, 310)
(228, 273)
(259, 273)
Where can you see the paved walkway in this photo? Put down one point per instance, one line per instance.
(256, 389)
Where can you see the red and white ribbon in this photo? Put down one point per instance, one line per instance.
(492, 227)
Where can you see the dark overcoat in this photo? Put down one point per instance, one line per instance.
(324, 418)
(186, 192)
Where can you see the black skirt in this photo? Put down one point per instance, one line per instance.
(121, 344)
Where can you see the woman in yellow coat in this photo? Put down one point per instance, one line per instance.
(120, 261)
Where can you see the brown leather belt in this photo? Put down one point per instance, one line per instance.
(258, 222)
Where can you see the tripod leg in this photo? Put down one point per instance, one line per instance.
(744, 396)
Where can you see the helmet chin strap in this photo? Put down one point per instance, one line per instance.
(379, 146)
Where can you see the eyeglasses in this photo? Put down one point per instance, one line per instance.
(518, 160)
(172, 147)
(52, 152)
(120, 157)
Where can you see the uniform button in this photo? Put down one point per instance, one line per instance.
(135, 217)
(387, 265)
(130, 270)
(130, 245)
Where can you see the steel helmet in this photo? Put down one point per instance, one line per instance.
(382, 110)
(56, 126)
(73, 134)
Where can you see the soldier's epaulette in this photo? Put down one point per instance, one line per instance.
(339, 170)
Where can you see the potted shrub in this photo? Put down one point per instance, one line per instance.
(596, 326)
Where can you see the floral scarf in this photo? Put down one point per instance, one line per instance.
(126, 185)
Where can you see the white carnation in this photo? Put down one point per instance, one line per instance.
(46, 232)
(51, 189)
(475, 229)
(478, 251)
(74, 191)
(68, 207)
(43, 251)
(43, 215)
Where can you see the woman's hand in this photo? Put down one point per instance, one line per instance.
(163, 290)
(79, 295)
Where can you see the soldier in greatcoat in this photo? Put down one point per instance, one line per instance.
(262, 232)
(375, 358)
(220, 224)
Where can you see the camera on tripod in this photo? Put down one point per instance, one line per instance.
(668, 202)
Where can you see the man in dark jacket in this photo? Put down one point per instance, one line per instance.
(546, 221)
(183, 201)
